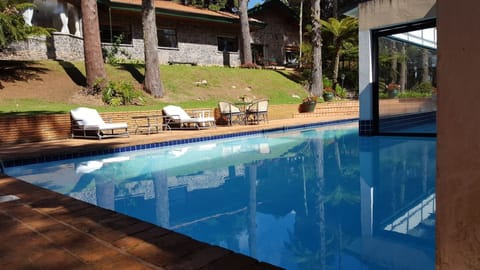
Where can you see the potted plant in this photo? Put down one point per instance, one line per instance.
(308, 104)
(392, 90)
(328, 93)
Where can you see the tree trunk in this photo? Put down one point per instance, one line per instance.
(94, 66)
(336, 65)
(300, 29)
(403, 69)
(335, 9)
(322, 222)
(394, 70)
(245, 29)
(425, 71)
(152, 83)
(316, 84)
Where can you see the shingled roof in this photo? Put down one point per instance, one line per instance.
(171, 8)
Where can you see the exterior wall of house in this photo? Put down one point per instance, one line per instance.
(381, 13)
(458, 173)
(197, 40)
(378, 14)
(281, 31)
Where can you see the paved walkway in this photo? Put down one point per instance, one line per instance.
(45, 230)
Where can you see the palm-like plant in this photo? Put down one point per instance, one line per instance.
(12, 24)
(342, 31)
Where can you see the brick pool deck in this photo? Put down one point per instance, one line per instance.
(46, 230)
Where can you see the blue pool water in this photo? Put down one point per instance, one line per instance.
(320, 198)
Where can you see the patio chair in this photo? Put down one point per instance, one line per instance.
(229, 112)
(178, 118)
(257, 111)
(87, 123)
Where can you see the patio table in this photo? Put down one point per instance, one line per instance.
(149, 122)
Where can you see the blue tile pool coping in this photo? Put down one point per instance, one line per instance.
(66, 156)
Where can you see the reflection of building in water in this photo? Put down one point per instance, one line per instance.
(397, 203)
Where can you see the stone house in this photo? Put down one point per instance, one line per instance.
(278, 42)
(185, 34)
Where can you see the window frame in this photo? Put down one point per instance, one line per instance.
(376, 34)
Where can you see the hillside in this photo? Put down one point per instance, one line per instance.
(57, 86)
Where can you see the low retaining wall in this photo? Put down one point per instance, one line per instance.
(340, 108)
(21, 129)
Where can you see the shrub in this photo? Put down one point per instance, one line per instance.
(424, 88)
(340, 91)
(327, 83)
(121, 93)
(111, 55)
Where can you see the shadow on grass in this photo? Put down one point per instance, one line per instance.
(133, 69)
(29, 113)
(296, 77)
(12, 71)
(73, 72)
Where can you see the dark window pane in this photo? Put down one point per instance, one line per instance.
(124, 32)
(227, 44)
(167, 38)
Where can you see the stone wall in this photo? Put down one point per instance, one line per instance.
(196, 44)
(34, 48)
(67, 47)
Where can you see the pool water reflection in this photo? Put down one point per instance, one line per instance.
(321, 198)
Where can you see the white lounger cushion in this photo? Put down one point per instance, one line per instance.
(178, 113)
(105, 126)
(87, 119)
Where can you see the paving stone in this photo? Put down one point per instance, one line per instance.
(199, 258)
(123, 262)
(232, 261)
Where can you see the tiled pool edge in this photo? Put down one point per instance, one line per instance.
(65, 156)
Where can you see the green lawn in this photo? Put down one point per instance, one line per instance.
(184, 85)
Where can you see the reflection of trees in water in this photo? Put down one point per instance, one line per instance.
(331, 191)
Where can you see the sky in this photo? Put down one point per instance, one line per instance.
(252, 3)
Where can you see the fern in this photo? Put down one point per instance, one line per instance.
(12, 24)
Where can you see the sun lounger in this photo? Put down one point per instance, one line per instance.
(87, 123)
(178, 118)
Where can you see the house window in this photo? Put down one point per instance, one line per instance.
(167, 38)
(405, 86)
(109, 34)
(227, 44)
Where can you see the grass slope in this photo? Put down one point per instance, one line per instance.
(55, 86)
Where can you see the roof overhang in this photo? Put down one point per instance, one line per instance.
(172, 9)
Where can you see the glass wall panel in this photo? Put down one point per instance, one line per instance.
(406, 77)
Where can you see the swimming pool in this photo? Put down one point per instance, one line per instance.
(303, 199)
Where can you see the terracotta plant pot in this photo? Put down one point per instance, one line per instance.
(307, 107)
